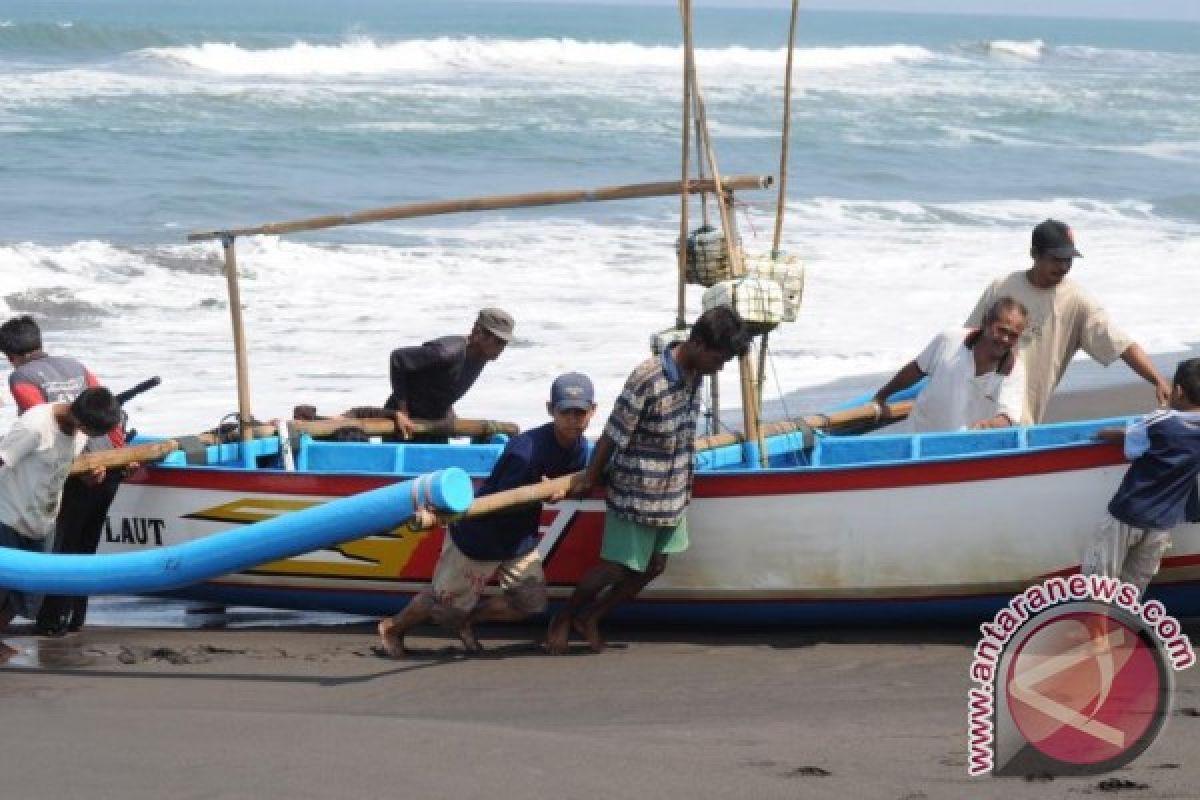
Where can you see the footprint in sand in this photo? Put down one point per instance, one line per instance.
(1119, 785)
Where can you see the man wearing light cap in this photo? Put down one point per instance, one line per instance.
(502, 545)
(428, 380)
(1062, 321)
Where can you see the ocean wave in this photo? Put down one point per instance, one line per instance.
(362, 56)
(1010, 49)
(1030, 50)
(861, 256)
(1110, 56)
(66, 37)
(1188, 152)
(57, 304)
(87, 279)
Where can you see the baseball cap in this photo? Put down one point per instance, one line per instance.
(497, 322)
(572, 390)
(1056, 239)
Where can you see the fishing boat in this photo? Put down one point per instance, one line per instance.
(845, 528)
(798, 522)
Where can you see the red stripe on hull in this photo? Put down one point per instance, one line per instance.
(802, 480)
(921, 473)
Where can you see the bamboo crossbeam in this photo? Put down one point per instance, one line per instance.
(154, 451)
(453, 426)
(834, 421)
(492, 203)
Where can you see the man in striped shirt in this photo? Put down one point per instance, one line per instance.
(648, 447)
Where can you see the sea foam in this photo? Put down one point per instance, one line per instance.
(366, 56)
(322, 317)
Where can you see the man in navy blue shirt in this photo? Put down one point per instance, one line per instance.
(504, 545)
(1159, 491)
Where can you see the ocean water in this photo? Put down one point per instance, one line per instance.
(924, 149)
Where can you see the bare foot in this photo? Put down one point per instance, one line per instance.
(390, 639)
(589, 629)
(557, 634)
(466, 635)
(7, 652)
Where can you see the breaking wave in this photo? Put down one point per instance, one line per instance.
(1030, 50)
(366, 56)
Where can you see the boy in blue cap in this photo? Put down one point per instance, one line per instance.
(503, 545)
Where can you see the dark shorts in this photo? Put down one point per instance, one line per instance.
(21, 603)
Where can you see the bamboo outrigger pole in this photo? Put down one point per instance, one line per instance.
(493, 203)
(835, 420)
(153, 451)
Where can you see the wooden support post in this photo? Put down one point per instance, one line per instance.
(229, 243)
(750, 406)
(714, 386)
(762, 371)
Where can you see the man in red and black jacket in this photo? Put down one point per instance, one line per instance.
(41, 378)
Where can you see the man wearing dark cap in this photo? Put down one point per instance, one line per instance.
(502, 545)
(428, 380)
(1062, 321)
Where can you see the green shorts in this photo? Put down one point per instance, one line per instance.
(633, 545)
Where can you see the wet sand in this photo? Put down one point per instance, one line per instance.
(316, 713)
(860, 713)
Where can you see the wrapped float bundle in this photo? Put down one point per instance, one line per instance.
(787, 271)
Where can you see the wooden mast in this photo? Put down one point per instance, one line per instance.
(745, 362)
(784, 147)
(681, 297)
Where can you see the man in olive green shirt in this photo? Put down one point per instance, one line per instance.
(1062, 321)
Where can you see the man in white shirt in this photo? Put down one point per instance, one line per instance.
(1062, 321)
(976, 380)
(35, 458)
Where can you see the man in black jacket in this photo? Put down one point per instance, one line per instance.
(428, 380)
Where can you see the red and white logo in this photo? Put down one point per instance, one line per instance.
(1083, 688)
